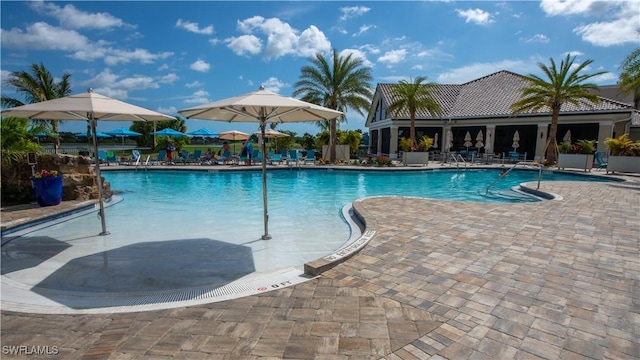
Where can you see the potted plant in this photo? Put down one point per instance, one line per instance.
(47, 185)
(420, 155)
(579, 155)
(625, 154)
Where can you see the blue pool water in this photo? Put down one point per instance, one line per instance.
(305, 207)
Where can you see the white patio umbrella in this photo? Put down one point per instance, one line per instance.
(90, 107)
(263, 107)
(271, 134)
(435, 141)
(516, 140)
(467, 141)
(567, 137)
(233, 135)
(479, 139)
(449, 139)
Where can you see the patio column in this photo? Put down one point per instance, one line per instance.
(604, 131)
(541, 141)
(393, 142)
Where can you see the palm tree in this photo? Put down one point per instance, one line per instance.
(338, 83)
(630, 76)
(37, 86)
(413, 96)
(564, 85)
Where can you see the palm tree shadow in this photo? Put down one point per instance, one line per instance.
(29, 252)
(140, 269)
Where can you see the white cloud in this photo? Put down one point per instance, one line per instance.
(171, 110)
(477, 70)
(198, 97)
(42, 36)
(353, 11)
(363, 29)
(117, 56)
(357, 54)
(476, 16)
(72, 18)
(274, 85)
(312, 41)
(573, 53)
(194, 27)
(244, 44)
(200, 65)
(281, 39)
(393, 56)
(615, 32)
(110, 84)
(537, 38)
(618, 24)
(193, 84)
(169, 78)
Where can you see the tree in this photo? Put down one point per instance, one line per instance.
(338, 83)
(37, 86)
(411, 97)
(563, 85)
(630, 76)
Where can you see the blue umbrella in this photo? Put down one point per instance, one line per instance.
(99, 135)
(204, 132)
(169, 132)
(122, 132)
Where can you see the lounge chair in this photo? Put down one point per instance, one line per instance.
(162, 156)
(311, 157)
(102, 157)
(601, 161)
(275, 158)
(111, 158)
(136, 157)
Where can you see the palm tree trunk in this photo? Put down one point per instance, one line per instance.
(412, 133)
(332, 140)
(552, 144)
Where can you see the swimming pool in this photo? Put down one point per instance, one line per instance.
(201, 230)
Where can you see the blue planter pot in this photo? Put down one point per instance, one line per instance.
(48, 190)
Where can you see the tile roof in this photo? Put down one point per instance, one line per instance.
(491, 96)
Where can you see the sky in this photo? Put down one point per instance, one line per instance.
(171, 55)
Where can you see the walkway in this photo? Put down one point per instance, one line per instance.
(549, 280)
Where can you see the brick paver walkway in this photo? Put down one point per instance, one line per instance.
(547, 280)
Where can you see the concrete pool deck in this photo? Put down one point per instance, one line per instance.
(553, 279)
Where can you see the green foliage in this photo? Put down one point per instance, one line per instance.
(37, 86)
(411, 97)
(587, 146)
(351, 138)
(565, 84)
(405, 144)
(630, 76)
(622, 146)
(564, 148)
(338, 83)
(16, 137)
(308, 141)
(425, 143)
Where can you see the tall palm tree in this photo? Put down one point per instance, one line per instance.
(37, 86)
(630, 76)
(563, 85)
(338, 83)
(413, 96)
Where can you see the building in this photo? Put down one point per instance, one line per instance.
(483, 105)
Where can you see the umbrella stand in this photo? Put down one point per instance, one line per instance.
(93, 122)
(263, 125)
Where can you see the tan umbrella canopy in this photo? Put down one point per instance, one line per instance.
(467, 140)
(263, 107)
(90, 107)
(449, 140)
(479, 139)
(233, 135)
(516, 140)
(271, 134)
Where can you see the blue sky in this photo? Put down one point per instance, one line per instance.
(170, 55)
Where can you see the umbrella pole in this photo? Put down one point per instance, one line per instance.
(266, 235)
(99, 177)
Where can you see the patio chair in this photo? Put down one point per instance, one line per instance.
(136, 157)
(311, 157)
(275, 158)
(111, 158)
(162, 156)
(601, 161)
